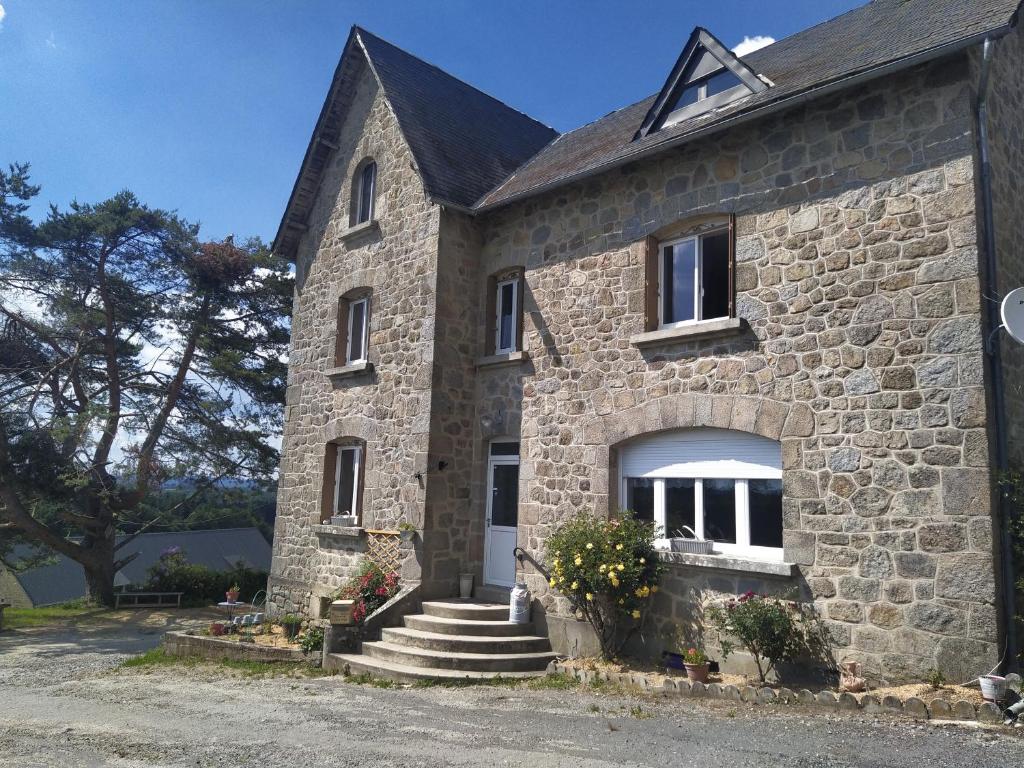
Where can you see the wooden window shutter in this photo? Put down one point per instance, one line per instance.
(341, 336)
(520, 300)
(651, 283)
(327, 492)
(360, 512)
(491, 316)
(732, 265)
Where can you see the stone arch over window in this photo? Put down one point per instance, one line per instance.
(504, 311)
(364, 192)
(768, 418)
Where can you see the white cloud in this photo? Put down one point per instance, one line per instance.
(51, 42)
(2, 13)
(750, 44)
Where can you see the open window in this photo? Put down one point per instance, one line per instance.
(343, 483)
(722, 484)
(353, 330)
(690, 275)
(505, 313)
(364, 190)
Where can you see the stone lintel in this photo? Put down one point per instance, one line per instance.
(725, 326)
(728, 563)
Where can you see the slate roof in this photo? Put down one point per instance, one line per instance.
(880, 33)
(464, 141)
(477, 153)
(62, 579)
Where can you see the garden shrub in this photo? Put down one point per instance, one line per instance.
(369, 590)
(201, 585)
(609, 570)
(769, 628)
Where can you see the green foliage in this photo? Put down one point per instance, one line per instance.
(370, 588)
(142, 337)
(936, 679)
(695, 656)
(48, 616)
(609, 570)
(202, 585)
(770, 629)
(312, 640)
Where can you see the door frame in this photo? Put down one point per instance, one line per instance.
(492, 462)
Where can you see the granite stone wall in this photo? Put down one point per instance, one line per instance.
(857, 276)
(388, 407)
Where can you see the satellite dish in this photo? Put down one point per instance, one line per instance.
(1012, 313)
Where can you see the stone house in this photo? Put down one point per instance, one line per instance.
(756, 304)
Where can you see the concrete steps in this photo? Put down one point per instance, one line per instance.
(452, 640)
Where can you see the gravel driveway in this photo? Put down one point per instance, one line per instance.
(64, 702)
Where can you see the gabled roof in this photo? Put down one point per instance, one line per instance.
(62, 579)
(464, 141)
(701, 46)
(870, 41)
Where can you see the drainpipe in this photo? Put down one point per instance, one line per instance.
(993, 351)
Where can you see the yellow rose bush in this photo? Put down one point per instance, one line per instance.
(609, 570)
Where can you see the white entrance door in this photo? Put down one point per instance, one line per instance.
(501, 529)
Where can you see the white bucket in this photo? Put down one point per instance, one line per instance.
(465, 585)
(993, 687)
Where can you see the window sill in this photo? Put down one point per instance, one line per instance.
(505, 358)
(341, 531)
(341, 372)
(724, 562)
(357, 231)
(726, 326)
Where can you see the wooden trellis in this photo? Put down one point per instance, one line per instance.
(382, 547)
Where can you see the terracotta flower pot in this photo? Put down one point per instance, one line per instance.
(232, 595)
(216, 629)
(697, 673)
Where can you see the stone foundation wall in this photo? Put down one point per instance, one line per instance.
(387, 408)
(857, 272)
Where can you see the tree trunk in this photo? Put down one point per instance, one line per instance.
(99, 572)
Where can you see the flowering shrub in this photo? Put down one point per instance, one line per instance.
(369, 590)
(770, 629)
(695, 656)
(609, 570)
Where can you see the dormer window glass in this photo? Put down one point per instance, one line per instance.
(366, 187)
(722, 82)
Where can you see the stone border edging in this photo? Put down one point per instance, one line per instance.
(962, 709)
(183, 644)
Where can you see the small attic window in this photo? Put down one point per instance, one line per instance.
(723, 84)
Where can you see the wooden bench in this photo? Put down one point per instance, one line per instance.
(147, 599)
(3, 604)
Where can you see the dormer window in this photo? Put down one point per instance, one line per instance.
(706, 76)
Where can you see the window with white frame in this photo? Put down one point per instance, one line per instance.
(693, 279)
(722, 484)
(358, 315)
(346, 480)
(506, 337)
(365, 191)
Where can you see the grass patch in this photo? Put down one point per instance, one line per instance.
(560, 682)
(158, 657)
(367, 679)
(51, 615)
(640, 713)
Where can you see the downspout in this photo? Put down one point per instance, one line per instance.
(993, 351)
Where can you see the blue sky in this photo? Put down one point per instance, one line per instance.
(206, 106)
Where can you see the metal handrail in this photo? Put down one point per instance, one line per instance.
(521, 554)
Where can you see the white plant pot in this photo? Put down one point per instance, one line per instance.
(465, 585)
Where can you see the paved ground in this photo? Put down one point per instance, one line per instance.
(64, 702)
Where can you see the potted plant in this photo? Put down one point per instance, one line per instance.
(696, 663)
(216, 628)
(291, 624)
(232, 594)
(406, 531)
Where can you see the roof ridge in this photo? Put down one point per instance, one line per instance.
(363, 31)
